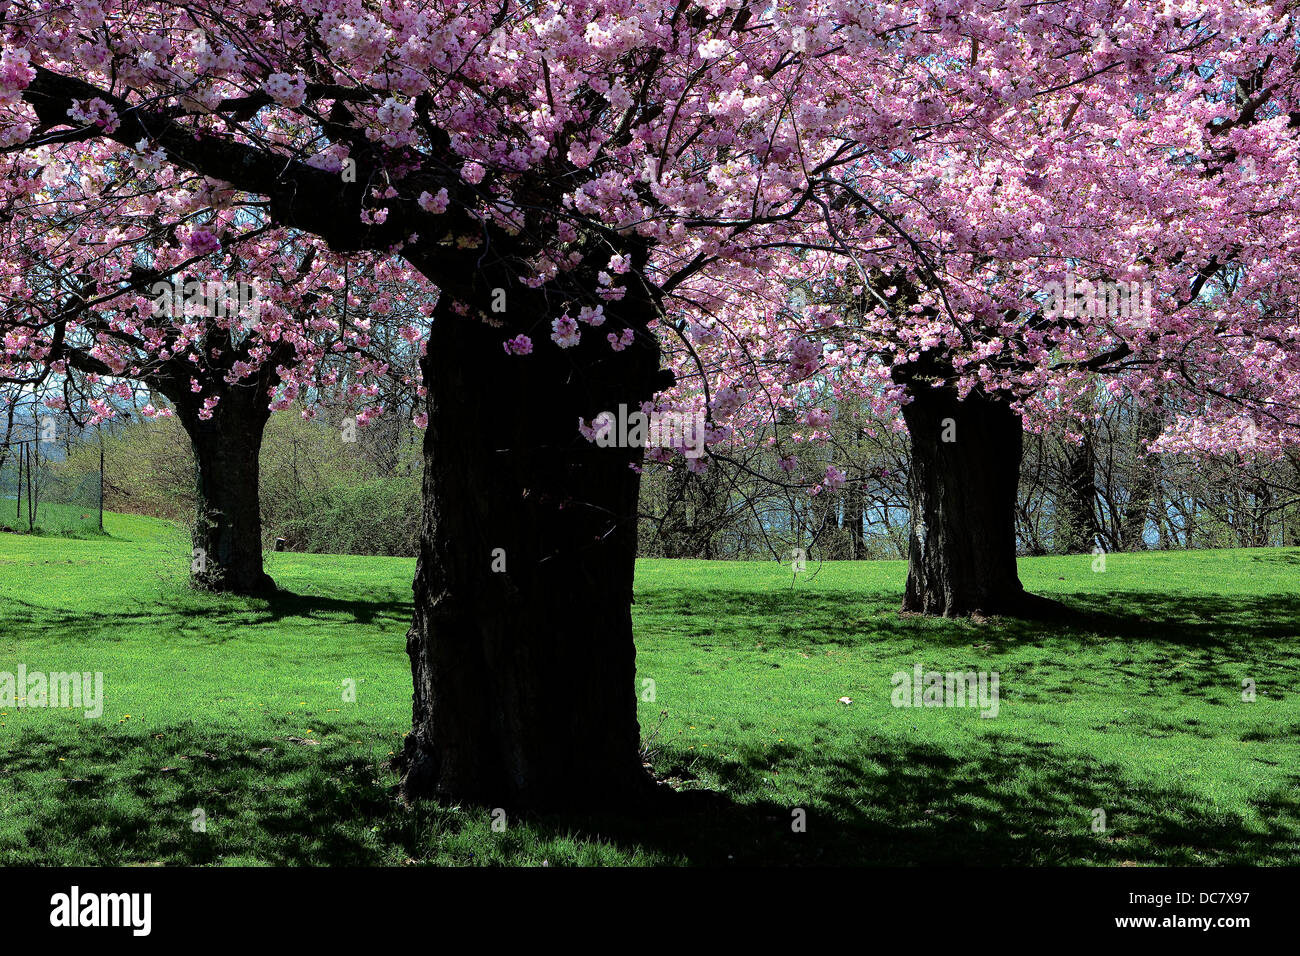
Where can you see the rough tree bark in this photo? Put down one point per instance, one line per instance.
(962, 484)
(521, 645)
(1077, 505)
(228, 523)
(1146, 478)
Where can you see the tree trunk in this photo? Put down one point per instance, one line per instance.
(521, 646)
(825, 517)
(962, 485)
(1077, 504)
(853, 516)
(1146, 477)
(675, 530)
(228, 523)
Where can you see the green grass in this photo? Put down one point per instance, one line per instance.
(51, 518)
(1136, 710)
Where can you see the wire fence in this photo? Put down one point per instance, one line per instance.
(39, 492)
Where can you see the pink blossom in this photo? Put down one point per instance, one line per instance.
(564, 332)
(434, 204)
(287, 89)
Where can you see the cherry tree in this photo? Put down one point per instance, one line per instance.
(585, 182)
(1116, 213)
(226, 318)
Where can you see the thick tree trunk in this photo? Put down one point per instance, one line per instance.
(1077, 505)
(521, 645)
(962, 484)
(228, 523)
(1144, 482)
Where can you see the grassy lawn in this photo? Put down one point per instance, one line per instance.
(75, 521)
(235, 707)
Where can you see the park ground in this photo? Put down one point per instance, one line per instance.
(235, 707)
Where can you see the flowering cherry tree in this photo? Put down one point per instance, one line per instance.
(1115, 213)
(225, 317)
(587, 182)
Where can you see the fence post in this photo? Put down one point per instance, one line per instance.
(34, 483)
(31, 512)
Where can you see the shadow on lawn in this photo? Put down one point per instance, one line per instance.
(1202, 619)
(1289, 557)
(221, 618)
(392, 607)
(281, 803)
(131, 800)
(895, 804)
(1197, 641)
(799, 619)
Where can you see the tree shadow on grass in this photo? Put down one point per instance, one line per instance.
(798, 620)
(222, 619)
(120, 799)
(390, 606)
(1176, 643)
(1019, 803)
(1197, 642)
(1289, 557)
(1190, 619)
(784, 619)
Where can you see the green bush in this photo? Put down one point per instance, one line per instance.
(321, 494)
(380, 516)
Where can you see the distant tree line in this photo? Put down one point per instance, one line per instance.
(327, 487)
(1086, 486)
